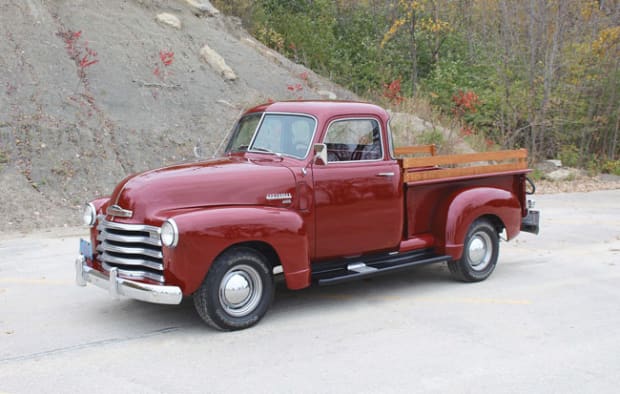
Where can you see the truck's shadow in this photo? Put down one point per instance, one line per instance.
(414, 282)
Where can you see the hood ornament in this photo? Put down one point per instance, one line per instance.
(115, 210)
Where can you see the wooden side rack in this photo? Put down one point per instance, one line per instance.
(430, 150)
(449, 166)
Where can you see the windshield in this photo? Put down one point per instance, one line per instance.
(243, 133)
(288, 135)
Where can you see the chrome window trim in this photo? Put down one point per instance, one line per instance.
(233, 134)
(390, 139)
(357, 161)
(260, 123)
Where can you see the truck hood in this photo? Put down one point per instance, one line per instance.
(229, 181)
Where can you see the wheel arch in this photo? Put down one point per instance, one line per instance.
(265, 249)
(463, 207)
(204, 235)
(495, 221)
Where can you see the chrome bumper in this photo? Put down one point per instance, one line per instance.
(128, 288)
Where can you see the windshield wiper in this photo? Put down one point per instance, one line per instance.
(260, 149)
(266, 150)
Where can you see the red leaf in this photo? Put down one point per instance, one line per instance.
(166, 57)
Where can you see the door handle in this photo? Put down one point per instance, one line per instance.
(386, 174)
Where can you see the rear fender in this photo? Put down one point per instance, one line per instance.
(460, 209)
(204, 234)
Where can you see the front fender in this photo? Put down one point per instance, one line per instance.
(461, 208)
(204, 234)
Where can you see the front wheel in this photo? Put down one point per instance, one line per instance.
(236, 292)
(480, 252)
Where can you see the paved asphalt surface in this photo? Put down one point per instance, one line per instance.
(547, 321)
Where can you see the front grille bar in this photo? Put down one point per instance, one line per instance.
(134, 249)
(130, 262)
(156, 254)
(135, 275)
(134, 239)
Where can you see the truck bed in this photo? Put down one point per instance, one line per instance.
(457, 166)
(429, 179)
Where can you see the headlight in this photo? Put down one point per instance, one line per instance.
(89, 217)
(169, 233)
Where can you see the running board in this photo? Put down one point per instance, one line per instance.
(340, 271)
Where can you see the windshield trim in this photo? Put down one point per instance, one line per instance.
(260, 123)
(235, 131)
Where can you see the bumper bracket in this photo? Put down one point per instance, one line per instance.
(157, 294)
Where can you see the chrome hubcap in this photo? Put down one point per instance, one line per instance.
(240, 290)
(480, 251)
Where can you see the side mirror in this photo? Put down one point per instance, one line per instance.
(320, 154)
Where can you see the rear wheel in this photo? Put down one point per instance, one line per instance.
(236, 292)
(480, 252)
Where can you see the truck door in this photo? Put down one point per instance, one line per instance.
(358, 194)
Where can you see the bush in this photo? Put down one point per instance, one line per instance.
(569, 154)
(611, 167)
(431, 137)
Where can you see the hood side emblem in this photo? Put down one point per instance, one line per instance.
(115, 210)
(285, 197)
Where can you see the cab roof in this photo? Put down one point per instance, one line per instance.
(322, 109)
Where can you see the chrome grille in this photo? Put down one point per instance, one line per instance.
(134, 249)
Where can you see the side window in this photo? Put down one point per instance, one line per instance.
(354, 139)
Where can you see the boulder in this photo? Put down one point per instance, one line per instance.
(562, 174)
(168, 19)
(203, 6)
(217, 62)
(327, 95)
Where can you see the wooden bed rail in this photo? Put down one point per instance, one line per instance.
(417, 149)
(427, 168)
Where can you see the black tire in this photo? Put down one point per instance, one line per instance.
(480, 252)
(237, 291)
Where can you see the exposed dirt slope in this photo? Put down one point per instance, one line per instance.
(91, 91)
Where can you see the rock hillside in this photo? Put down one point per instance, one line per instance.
(91, 91)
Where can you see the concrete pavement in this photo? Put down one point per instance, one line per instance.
(546, 321)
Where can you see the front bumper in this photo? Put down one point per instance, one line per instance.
(128, 288)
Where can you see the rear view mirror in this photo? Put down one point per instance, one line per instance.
(320, 154)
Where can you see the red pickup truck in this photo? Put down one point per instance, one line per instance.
(311, 190)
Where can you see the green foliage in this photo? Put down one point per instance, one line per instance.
(611, 167)
(357, 57)
(302, 30)
(431, 137)
(547, 81)
(536, 174)
(241, 8)
(4, 159)
(569, 155)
